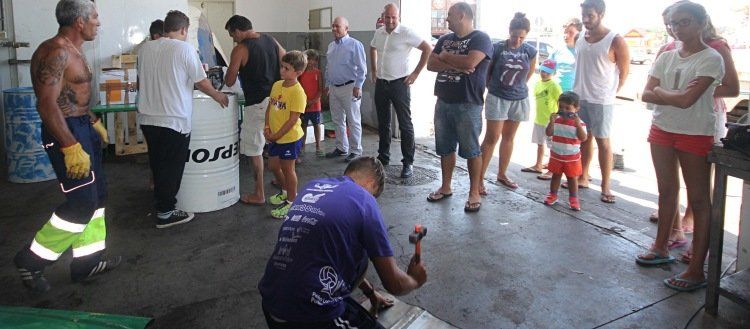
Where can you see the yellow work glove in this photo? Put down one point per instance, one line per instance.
(77, 161)
(99, 127)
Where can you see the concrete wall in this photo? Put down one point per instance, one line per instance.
(290, 27)
(124, 24)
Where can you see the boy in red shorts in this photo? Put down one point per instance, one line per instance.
(567, 132)
(312, 83)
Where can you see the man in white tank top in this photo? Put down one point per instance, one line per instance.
(602, 64)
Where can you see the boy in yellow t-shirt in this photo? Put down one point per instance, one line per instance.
(283, 130)
(546, 92)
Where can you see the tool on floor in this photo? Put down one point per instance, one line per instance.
(415, 238)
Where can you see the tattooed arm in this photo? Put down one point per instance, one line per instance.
(47, 67)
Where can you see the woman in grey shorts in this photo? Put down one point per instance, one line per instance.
(507, 103)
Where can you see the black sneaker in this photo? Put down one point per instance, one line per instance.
(103, 266)
(178, 217)
(351, 157)
(34, 280)
(407, 171)
(335, 153)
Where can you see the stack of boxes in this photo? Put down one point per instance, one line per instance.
(118, 85)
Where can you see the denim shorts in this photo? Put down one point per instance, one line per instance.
(461, 124)
(310, 117)
(496, 108)
(598, 118)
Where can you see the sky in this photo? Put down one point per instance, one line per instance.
(620, 15)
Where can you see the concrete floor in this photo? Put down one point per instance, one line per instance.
(516, 263)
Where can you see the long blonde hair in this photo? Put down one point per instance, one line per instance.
(709, 32)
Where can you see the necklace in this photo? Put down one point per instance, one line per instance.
(78, 52)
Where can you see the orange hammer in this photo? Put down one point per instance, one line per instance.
(415, 238)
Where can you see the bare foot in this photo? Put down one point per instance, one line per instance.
(253, 199)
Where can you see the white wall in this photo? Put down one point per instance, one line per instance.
(362, 15)
(33, 31)
(124, 23)
(291, 15)
(416, 14)
(269, 16)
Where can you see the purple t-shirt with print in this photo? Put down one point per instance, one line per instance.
(331, 231)
(457, 87)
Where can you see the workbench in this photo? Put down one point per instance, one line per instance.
(735, 287)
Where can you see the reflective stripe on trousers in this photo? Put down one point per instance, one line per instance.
(57, 235)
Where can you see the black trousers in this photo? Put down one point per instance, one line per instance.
(397, 93)
(354, 316)
(168, 151)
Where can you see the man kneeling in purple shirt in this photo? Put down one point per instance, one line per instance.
(332, 231)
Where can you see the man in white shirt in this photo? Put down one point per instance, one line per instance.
(168, 69)
(389, 64)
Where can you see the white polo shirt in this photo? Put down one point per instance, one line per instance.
(393, 51)
(167, 71)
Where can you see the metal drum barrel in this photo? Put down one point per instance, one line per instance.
(211, 180)
(27, 160)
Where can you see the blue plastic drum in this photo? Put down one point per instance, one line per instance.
(27, 161)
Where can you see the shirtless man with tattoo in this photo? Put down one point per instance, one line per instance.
(72, 137)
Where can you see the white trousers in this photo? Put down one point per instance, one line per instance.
(345, 112)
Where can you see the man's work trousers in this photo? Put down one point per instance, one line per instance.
(79, 221)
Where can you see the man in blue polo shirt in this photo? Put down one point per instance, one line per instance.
(332, 231)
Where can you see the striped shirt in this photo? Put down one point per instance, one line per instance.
(566, 146)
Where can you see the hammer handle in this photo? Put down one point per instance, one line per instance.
(417, 251)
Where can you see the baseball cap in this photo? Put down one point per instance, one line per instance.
(548, 66)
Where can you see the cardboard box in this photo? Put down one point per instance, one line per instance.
(124, 61)
(115, 87)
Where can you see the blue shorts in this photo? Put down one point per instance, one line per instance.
(598, 118)
(285, 151)
(461, 124)
(311, 117)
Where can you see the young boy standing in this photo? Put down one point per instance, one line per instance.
(283, 130)
(312, 83)
(547, 90)
(567, 131)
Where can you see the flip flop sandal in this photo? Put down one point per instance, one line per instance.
(531, 169)
(320, 153)
(565, 185)
(655, 259)
(472, 206)
(684, 285)
(607, 198)
(654, 217)
(508, 183)
(674, 244)
(545, 176)
(438, 196)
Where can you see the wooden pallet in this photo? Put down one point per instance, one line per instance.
(126, 135)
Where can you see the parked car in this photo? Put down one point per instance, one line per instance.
(641, 56)
(544, 49)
